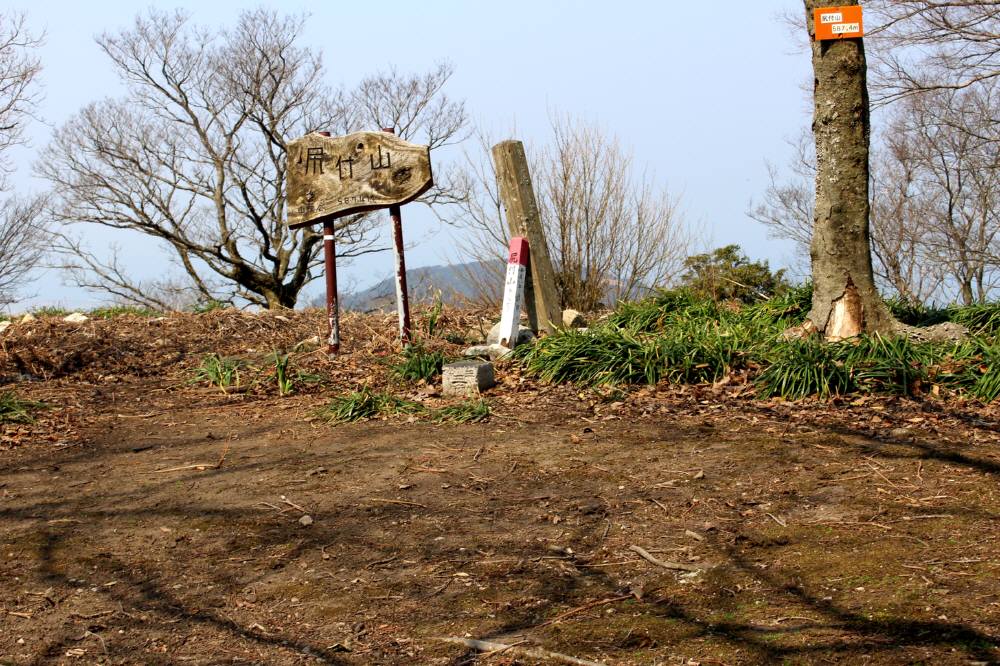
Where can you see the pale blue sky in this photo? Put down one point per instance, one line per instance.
(703, 92)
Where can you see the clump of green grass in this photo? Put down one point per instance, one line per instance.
(678, 337)
(283, 378)
(219, 371)
(690, 347)
(782, 311)
(367, 404)
(658, 312)
(981, 320)
(473, 410)
(16, 410)
(802, 368)
(917, 314)
(984, 373)
(209, 305)
(417, 363)
(112, 311)
(434, 315)
(286, 379)
(50, 311)
(892, 365)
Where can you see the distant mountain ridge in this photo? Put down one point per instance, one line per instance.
(456, 283)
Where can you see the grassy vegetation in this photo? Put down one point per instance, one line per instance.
(679, 337)
(275, 370)
(418, 364)
(50, 311)
(112, 311)
(219, 371)
(209, 306)
(367, 404)
(473, 410)
(16, 410)
(286, 378)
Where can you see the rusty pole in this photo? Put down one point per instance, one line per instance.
(330, 263)
(332, 307)
(402, 295)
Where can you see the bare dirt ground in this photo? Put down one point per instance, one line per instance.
(144, 520)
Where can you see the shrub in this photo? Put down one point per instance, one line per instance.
(726, 274)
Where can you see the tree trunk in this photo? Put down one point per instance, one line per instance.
(845, 300)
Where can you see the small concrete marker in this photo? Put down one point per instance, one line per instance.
(513, 292)
(465, 378)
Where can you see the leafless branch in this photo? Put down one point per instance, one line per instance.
(195, 154)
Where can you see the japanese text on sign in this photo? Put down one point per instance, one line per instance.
(334, 176)
(838, 22)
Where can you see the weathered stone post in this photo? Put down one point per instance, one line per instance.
(518, 197)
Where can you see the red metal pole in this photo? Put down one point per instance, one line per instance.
(332, 307)
(330, 266)
(402, 294)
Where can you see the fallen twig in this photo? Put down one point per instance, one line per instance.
(26, 616)
(439, 590)
(198, 466)
(659, 504)
(293, 505)
(536, 653)
(222, 458)
(391, 501)
(91, 616)
(608, 564)
(927, 517)
(580, 609)
(776, 519)
(492, 653)
(660, 563)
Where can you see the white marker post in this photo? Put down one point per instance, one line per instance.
(513, 292)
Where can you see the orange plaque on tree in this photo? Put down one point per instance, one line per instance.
(838, 22)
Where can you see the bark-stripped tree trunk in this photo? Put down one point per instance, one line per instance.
(845, 300)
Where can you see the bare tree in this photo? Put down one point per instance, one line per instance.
(21, 233)
(613, 234)
(22, 244)
(901, 258)
(923, 45)
(956, 176)
(19, 69)
(194, 155)
(786, 207)
(935, 191)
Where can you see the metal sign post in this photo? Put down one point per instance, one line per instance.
(332, 306)
(402, 294)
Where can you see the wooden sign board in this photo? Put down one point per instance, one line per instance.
(365, 171)
(838, 22)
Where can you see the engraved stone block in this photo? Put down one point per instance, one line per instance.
(467, 378)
